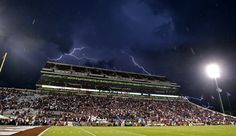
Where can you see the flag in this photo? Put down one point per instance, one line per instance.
(228, 94)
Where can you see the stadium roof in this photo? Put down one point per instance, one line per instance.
(103, 69)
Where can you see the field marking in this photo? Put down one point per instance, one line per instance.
(43, 132)
(88, 132)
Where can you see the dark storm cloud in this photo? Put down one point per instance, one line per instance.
(102, 25)
(127, 24)
(210, 18)
(37, 22)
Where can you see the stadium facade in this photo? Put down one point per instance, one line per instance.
(61, 76)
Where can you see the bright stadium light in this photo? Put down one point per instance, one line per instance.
(213, 71)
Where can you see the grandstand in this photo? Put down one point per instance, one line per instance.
(84, 96)
(70, 77)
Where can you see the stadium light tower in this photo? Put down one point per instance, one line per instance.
(213, 71)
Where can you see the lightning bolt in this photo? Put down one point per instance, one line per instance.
(74, 50)
(56, 59)
(136, 64)
(139, 66)
(73, 55)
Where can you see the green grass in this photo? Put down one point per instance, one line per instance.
(142, 131)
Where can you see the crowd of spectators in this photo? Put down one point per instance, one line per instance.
(31, 108)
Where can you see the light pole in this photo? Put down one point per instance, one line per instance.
(213, 71)
(3, 61)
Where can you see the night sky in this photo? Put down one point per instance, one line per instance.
(174, 38)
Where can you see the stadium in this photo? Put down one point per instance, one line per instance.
(117, 68)
(79, 100)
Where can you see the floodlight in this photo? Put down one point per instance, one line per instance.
(213, 71)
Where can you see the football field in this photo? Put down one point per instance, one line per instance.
(142, 131)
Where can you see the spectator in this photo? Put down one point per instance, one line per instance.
(30, 108)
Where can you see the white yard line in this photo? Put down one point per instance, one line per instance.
(43, 132)
(87, 132)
